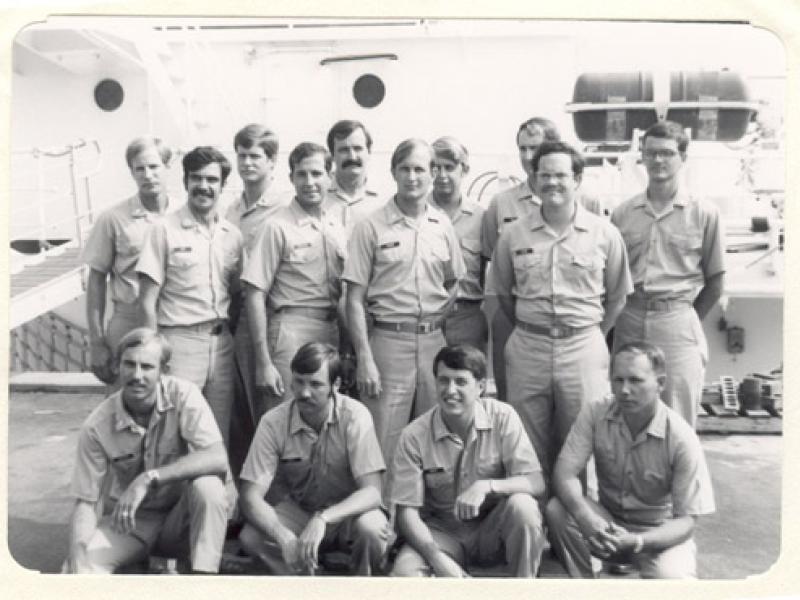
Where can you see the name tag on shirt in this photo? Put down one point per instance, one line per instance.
(434, 470)
(388, 245)
(182, 249)
(509, 219)
(303, 245)
(523, 251)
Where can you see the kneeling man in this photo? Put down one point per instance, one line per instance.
(464, 479)
(153, 453)
(651, 473)
(321, 447)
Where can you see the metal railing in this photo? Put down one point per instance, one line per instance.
(49, 343)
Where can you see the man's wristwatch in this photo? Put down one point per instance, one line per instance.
(151, 477)
(639, 544)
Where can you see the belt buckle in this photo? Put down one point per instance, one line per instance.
(216, 329)
(555, 331)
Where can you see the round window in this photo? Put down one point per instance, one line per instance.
(368, 90)
(108, 94)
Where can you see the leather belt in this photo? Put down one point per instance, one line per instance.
(464, 303)
(657, 304)
(556, 331)
(409, 326)
(214, 327)
(321, 314)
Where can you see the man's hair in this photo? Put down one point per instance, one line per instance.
(140, 144)
(305, 150)
(461, 356)
(449, 148)
(654, 354)
(536, 124)
(311, 356)
(559, 148)
(201, 157)
(141, 336)
(669, 130)
(343, 129)
(406, 147)
(257, 135)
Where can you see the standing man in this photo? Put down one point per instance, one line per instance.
(112, 250)
(256, 150)
(292, 276)
(562, 277)
(350, 145)
(321, 446)
(152, 456)
(403, 265)
(467, 323)
(505, 208)
(676, 245)
(464, 479)
(188, 271)
(651, 472)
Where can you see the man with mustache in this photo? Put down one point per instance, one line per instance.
(350, 145)
(188, 273)
(292, 276)
(113, 247)
(150, 467)
(562, 278)
(504, 209)
(675, 245)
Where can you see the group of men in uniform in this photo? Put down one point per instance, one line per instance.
(272, 303)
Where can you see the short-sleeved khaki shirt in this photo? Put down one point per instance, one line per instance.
(505, 208)
(115, 242)
(196, 268)
(113, 450)
(318, 470)
(404, 263)
(658, 475)
(250, 219)
(672, 254)
(467, 223)
(357, 207)
(432, 466)
(298, 259)
(566, 279)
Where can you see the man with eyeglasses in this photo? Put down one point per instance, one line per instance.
(675, 247)
(562, 277)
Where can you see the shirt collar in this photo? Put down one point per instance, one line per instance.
(297, 424)
(481, 421)
(580, 220)
(189, 222)
(393, 214)
(680, 199)
(138, 210)
(265, 200)
(657, 427)
(339, 193)
(124, 420)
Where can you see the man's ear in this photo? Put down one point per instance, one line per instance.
(482, 385)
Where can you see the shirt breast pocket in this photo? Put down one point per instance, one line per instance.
(439, 484)
(126, 467)
(653, 487)
(389, 250)
(299, 254)
(182, 268)
(129, 243)
(684, 250)
(294, 469)
(529, 270)
(584, 271)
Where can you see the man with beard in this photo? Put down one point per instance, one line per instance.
(149, 469)
(562, 278)
(188, 272)
(350, 145)
(113, 247)
(676, 247)
(403, 266)
(292, 276)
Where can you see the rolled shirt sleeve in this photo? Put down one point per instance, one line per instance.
(362, 444)
(407, 484)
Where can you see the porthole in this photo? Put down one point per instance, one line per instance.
(369, 91)
(108, 94)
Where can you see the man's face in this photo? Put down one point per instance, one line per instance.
(636, 386)
(313, 393)
(527, 144)
(253, 164)
(457, 391)
(413, 175)
(149, 172)
(554, 181)
(139, 373)
(311, 181)
(447, 176)
(661, 159)
(204, 187)
(350, 154)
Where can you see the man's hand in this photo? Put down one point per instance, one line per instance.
(101, 357)
(368, 377)
(309, 541)
(469, 502)
(269, 381)
(77, 557)
(444, 566)
(622, 539)
(290, 551)
(123, 519)
(595, 530)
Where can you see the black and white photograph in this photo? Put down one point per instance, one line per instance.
(325, 298)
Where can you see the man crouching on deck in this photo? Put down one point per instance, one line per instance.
(652, 477)
(321, 447)
(464, 478)
(154, 449)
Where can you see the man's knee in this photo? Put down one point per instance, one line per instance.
(209, 491)
(678, 562)
(250, 540)
(524, 510)
(409, 563)
(370, 526)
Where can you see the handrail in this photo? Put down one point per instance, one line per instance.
(35, 345)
